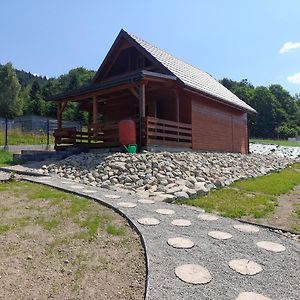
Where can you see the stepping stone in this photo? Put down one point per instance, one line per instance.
(181, 222)
(112, 196)
(127, 204)
(208, 217)
(89, 191)
(194, 274)
(180, 242)
(245, 266)
(251, 296)
(148, 221)
(78, 187)
(246, 228)
(146, 201)
(164, 211)
(270, 246)
(220, 235)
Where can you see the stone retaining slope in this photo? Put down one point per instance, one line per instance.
(164, 176)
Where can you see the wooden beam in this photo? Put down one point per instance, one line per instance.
(95, 110)
(134, 92)
(98, 93)
(59, 122)
(177, 104)
(143, 99)
(60, 108)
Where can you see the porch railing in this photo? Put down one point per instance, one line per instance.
(169, 133)
(154, 132)
(104, 135)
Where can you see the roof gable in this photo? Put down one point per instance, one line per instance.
(122, 43)
(185, 73)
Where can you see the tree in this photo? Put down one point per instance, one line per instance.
(10, 104)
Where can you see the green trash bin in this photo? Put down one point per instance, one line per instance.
(131, 148)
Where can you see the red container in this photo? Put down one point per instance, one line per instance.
(127, 132)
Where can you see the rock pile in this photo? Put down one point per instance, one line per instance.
(280, 151)
(164, 176)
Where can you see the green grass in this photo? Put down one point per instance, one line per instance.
(4, 228)
(275, 142)
(234, 204)
(61, 206)
(48, 224)
(297, 211)
(113, 230)
(6, 158)
(91, 224)
(255, 197)
(273, 184)
(17, 137)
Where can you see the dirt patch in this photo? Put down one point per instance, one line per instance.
(65, 247)
(284, 215)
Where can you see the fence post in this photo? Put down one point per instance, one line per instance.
(6, 125)
(48, 133)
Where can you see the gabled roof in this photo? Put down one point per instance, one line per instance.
(191, 76)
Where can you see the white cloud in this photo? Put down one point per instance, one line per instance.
(294, 78)
(289, 46)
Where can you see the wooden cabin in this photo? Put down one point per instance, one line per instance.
(173, 104)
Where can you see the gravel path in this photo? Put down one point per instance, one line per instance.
(272, 274)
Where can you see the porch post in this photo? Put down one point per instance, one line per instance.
(95, 110)
(142, 110)
(177, 105)
(59, 113)
(143, 101)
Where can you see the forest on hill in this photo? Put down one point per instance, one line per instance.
(21, 93)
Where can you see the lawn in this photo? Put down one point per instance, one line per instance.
(275, 142)
(67, 245)
(255, 197)
(17, 137)
(6, 158)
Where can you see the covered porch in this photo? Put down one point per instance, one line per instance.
(161, 111)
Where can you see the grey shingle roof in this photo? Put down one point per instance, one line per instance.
(192, 76)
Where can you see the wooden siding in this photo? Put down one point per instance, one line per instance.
(217, 127)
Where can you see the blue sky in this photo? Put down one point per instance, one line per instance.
(233, 38)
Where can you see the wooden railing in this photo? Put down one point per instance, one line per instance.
(97, 135)
(154, 132)
(163, 132)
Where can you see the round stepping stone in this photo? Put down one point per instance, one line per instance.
(164, 211)
(220, 235)
(246, 228)
(127, 204)
(251, 296)
(245, 266)
(112, 196)
(194, 274)
(89, 191)
(180, 242)
(148, 221)
(270, 246)
(208, 217)
(181, 222)
(146, 201)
